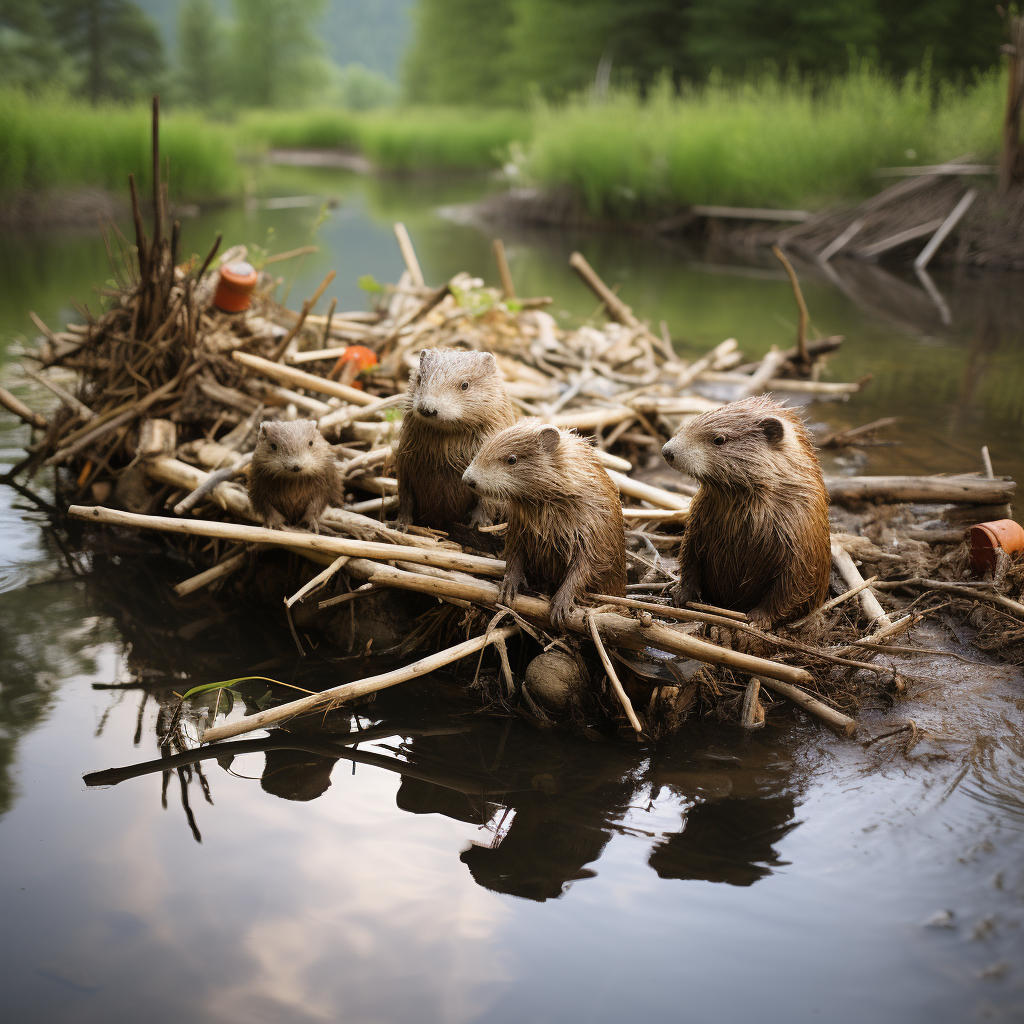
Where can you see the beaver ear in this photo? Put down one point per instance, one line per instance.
(426, 356)
(773, 429)
(549, 437)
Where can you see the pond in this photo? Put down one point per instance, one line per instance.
(419, 861)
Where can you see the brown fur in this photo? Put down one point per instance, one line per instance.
(757, 539)
(292, 478)
(566, 533)
(442, 429)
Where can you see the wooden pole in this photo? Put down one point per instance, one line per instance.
(1011, 159)
(507, 284)
(409, 255)
(801, 327)
(617, 309)
(338, 694)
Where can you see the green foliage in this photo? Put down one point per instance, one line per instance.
(278, 58)
(201, 53)
(358, 88)
(116, 48)
(473, 51)
(313, 128)
(764, 143)
(54, 142)
(369, 284)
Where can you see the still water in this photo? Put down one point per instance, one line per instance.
(454, 867)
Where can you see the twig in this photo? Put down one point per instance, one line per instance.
(204, 579)
(986, 461)
(836, 719)
(350, 596)
(835, 602)
(963, 591)
(307, 307)
(373, 684)
(301, 379)
(617, 309)
(317, 581)
(409, 255)
(946, 227)
(507, 284)
(216, 477)
(613, 677)
(851, 574)
(801, 327)
(21, 410)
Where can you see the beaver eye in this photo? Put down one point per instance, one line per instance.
(512, 460)
(310, 444)
(465, 385)
(720, 439)
(273, 447)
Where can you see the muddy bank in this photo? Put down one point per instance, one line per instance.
(891, 227)
(61, 207)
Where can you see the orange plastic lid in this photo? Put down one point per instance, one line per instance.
(234, 290)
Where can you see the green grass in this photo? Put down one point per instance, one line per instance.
(57, 142)
(403, 139)
(757, 144)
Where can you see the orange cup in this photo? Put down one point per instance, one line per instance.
(234, 290)
(988, 538)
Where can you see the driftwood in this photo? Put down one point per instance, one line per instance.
(926, 489)
(851, 576)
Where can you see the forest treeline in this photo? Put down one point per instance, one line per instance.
(501, 51)
(264, 53)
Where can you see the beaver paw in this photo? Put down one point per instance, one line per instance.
(509, 589)
(760, 618)
(560, 611)
(480, 516)
(404, 522)
(273, 520)
(683, 592)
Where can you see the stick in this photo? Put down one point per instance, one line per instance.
(706, 362)
(840, 242)
(619, 630)
(947, 226)
(216, 477)
(801, 327)
(751, 705)
(409, 255)
(348, 691)
(807, 387)
(657, 496)
(834, 603)
(749, 213)
(296, 541)
(985, 459)
(317, 581)
(613, 677)
(303, 250)
(952, 588)
(892, 629)
(851, 574)
(21, 410)
(929, 489)
(301, 379)
(507, 284)
(849, 437)
(758, 380)
(837, 719)
(84, 412)
(204, 579)
(342, 417)
(350, 596)
(870, 252)
(307, 306)
(617, 309)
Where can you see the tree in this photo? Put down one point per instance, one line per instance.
(30, 57)
(277, 57)
(201, 57)
(116, 47)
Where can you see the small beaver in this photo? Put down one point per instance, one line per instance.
(757, 539)
(292, 478)
(455, 400)
(566, 533)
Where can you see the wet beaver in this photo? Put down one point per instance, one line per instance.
(757, 539)
(292, 478)
(455, 400)
(565, 528)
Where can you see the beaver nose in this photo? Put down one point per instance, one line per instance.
(295, 468)
(428, 410)
(469, 481)
(667, 452)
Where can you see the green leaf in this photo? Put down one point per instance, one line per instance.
(224, 684)
(370, 284)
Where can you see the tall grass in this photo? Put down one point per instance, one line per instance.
(56, 142)
(404, 139)
(765, 143)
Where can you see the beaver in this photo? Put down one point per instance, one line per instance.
(566, 533)
(455, 400)
(292, 478)
(757, 538)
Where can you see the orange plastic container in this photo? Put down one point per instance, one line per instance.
(234, 290)
(988, 538)
(352, 362)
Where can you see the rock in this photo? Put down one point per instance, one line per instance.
(555, 678)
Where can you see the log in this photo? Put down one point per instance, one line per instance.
(617, 309)
(293, 540)
(656, 496)
(846, 725)
(21, 410)
(810, 387)
(301, 379)
(204, 579)
(619, 630)
(750, 213)
(348, 691)
(853, 579)
(945, 228)
(926, 489)
(873, 251)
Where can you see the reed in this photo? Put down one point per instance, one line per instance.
(55, 142)
(759, 143)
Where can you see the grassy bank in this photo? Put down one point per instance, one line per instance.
(409, 139)
(61, 143)
(757, 144)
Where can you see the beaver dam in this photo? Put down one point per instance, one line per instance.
(161, 398)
